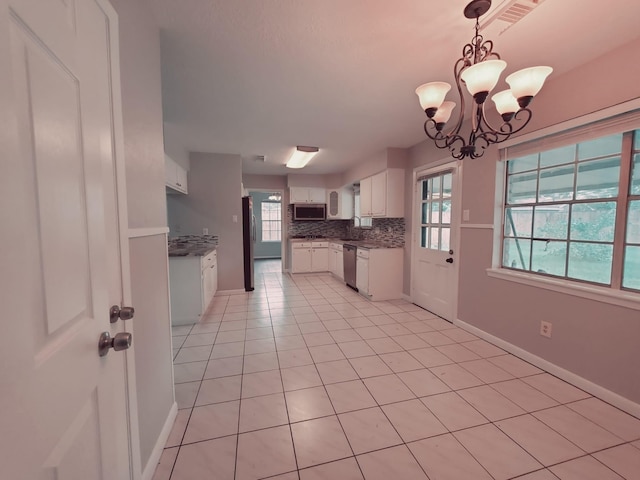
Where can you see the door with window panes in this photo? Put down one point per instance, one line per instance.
(433, 271)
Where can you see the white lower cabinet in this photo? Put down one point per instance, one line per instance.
(362, 271)
(309, 257)
(379, 273)
(193, 281)
(336, 260)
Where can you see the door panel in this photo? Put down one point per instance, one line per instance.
(66, 415)
(434, 269)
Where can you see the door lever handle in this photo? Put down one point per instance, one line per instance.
(449, 260)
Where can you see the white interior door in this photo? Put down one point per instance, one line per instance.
(434, 267)
(63, 408)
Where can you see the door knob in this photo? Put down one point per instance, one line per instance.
(124, 313)
(449, 260)
(121, 341)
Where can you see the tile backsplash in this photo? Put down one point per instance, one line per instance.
(386, 230)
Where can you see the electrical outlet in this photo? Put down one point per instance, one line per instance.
(545, 329)
(205, 231)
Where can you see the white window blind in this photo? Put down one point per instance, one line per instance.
(610, 126)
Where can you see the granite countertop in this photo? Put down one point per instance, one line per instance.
(192, 245)
(369, 244)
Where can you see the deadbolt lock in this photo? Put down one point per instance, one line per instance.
(125, 313)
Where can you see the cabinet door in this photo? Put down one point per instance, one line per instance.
(362, 275)
(170, 173)
(301, 260)
(181, 178)
(317, 195)
(340, 264)
(333, 204)
(379, 194)
(332, 261)
(320, 259)
(298, 195)
(365, 197)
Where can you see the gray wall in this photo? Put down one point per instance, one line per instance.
(264, 249)
(213, 201)
(596, 341)
(144, 157)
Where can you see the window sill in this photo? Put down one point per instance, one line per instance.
(620, 298)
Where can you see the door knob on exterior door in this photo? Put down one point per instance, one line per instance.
(125, 313)
(122, 341)
(449, 260)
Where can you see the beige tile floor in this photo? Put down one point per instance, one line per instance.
(304, 379)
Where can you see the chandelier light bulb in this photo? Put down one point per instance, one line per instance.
(506, 104)
(526, 83)
(432, 95)
(482, 77)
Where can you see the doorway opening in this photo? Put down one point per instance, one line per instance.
(270, 223)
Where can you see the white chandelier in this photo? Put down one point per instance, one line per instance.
(479, 69)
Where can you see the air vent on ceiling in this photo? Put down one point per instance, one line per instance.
(508, 13)
(259, 158)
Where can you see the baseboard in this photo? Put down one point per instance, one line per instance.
(407, 298)
(154, 458)
(236, 291)
(602, 393)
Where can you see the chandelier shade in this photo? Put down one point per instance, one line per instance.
(482, 77)
(432, 94)
(478, 72)
(506, 104)
(526, 83)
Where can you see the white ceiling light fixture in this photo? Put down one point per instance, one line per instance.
(479, 70)
(301, 156)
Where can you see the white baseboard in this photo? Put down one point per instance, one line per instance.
(588, 386)
(236, 291)
(154, 458)
(407, 298)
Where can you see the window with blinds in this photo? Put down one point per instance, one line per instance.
(271, 221)
(572, 205)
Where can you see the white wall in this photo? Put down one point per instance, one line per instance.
(144, 157)
(596, 341)
(213, 201)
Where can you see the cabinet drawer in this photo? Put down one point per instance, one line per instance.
(362, 253)
(301, 245)
(320, 244)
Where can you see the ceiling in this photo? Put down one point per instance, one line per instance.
(258, 77)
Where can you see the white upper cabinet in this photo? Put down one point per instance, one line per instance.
(307, 195)
(339, 204)
(365, 197)
(175, 175)
(382, 195)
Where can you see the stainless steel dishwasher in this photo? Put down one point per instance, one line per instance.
(349, 261)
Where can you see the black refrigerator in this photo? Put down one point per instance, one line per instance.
(248, 239)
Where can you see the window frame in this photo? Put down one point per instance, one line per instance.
(616, 119)
(269, 222)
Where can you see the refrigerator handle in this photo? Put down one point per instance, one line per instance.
(254, 232)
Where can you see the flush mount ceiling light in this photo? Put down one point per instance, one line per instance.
(479, 69)
(301, 156)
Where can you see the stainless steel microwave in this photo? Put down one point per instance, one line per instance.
(309, 211)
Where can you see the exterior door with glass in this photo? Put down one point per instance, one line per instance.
(434, 270)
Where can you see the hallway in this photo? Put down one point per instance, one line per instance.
(304, 379)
